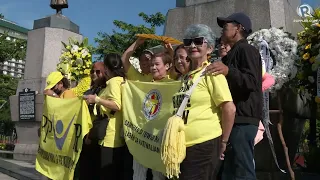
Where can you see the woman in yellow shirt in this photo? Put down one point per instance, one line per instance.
(210, 104)
(159, 68)
(109, 101)
(144, 62)
(181, 61)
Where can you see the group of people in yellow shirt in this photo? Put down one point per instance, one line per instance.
(211, 109)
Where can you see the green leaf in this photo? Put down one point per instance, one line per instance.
(64, 44)
(85, 42)
(12, 49)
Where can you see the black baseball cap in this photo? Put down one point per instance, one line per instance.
(240, 18)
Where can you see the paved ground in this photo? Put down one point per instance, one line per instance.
(6, 177)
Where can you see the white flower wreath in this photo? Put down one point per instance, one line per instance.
(284, 51)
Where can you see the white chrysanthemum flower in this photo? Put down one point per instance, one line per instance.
(74, 48)
(84, 52)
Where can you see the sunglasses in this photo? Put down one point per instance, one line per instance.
(95, 71)
(198, 41)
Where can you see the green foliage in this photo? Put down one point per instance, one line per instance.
(308, 61)
(1, 16)
(119, 41)
(12, 49)
(311, 152)
(8, 86)
(6, 128)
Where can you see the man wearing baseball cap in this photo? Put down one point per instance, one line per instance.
(58, 86)
(243, 69)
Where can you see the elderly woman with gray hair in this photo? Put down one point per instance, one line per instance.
(209, 115)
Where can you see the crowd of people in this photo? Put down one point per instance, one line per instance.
(225, 110)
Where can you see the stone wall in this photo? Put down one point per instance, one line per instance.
(263, 13)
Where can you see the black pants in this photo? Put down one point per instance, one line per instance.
(238, 163)
(89, 162)
(103, 163)
(201, 161)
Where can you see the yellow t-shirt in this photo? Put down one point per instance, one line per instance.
(135, 75)
(114, 132)
(67, 94)
(202, 115)
(167, 78)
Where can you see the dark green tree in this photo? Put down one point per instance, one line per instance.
(12, 48)
(8, 86)
(119, 41)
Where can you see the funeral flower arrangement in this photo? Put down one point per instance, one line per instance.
(76, 60)
(76, 63)
(283, 51)
(308, 63)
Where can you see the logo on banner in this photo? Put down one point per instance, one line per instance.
(59, 127)
(152, 104)
(305, 10)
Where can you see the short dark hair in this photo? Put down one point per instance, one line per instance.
(114, 63)
(65, 82)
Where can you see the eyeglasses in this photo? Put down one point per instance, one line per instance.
(198, 41)
(95, 71)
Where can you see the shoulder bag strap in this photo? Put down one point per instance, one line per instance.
(188, 94)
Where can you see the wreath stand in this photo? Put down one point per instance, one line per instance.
(279, 128)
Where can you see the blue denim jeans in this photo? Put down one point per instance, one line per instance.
(238, 163)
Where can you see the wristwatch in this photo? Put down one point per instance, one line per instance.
(54, 94)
